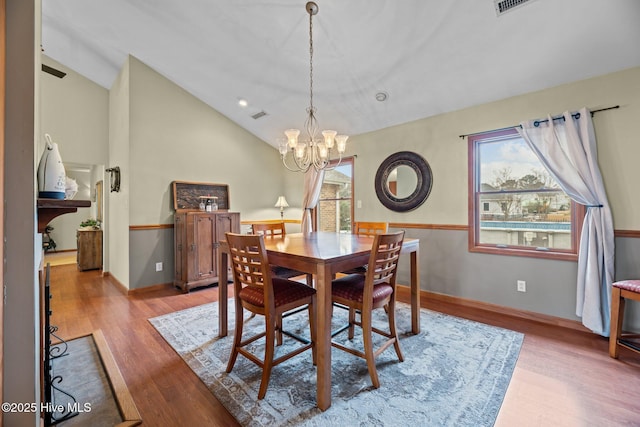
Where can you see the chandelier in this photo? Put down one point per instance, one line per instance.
(311, 149)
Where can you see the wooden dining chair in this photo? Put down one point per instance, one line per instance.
(370, 229)
(365, 293)
(363, 228)
(622, 291)
(257, 291)
(278, 230)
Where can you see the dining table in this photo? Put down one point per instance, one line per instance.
(323, 254)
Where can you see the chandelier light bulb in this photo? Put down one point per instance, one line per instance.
(341, 143)
(329, 136)
(300, 151)
(323, 152)
(292, 137)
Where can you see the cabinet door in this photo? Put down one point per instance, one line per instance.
(227, 222)
(205, 257)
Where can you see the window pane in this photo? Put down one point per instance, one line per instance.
(334, 215)
(334, 209)
(540, 220)
(517, 207)
(509, 164)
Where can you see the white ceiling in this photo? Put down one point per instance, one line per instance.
(429, 56)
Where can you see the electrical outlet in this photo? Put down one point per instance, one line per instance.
(158, 266)
(522, 286)
(359, 204)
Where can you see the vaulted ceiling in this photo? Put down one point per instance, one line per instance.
(428, 56)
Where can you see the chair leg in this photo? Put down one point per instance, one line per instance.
(310, 280)
(268, 354)
(365, 317)
(237, 337)
(352, 321)
(279, 330)
(617, 318)
(391, 310)
(312, 328)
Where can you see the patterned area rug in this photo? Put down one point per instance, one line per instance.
(456, 372)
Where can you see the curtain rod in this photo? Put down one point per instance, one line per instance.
(537, 122)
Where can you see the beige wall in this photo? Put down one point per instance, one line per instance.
(175, 136)
(117, 203)
(172, 136)
(437, 139)
(75, 112)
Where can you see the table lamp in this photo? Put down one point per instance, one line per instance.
(282, 203)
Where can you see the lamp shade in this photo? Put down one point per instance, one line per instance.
(282, 202)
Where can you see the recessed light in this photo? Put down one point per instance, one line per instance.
(382, 96)
(242, 102)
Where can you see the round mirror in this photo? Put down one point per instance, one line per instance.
(403, 181)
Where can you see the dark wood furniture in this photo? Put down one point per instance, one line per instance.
(257, 291)
(277, 230)
(376, 289)
(621, 292)
(51, 208)
(370, 229)
(324, 254)
(188, 195)
(196, 236)
(89, 244)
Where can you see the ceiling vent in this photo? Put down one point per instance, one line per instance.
(256, 116)
(503, 6)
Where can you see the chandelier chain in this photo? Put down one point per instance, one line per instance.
(311, 60)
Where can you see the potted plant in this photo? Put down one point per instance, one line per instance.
(90, 224)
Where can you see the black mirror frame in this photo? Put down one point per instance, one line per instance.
(423, 187)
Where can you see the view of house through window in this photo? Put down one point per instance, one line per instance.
(516, 202)
(335, 207)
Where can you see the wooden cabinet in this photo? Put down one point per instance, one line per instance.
(197, 236)
(89, 249)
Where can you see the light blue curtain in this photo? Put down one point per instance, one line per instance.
(312, 184)
(567, 148)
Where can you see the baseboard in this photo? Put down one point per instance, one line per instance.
(151, 288)
(58, 251)
(405, 292)
(118, 284)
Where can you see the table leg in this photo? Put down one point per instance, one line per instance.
(415, 292)
(323, 336)
(223, 294)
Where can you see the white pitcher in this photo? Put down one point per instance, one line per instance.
(51, 173)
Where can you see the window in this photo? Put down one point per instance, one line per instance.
(515, 206)
(335, 207)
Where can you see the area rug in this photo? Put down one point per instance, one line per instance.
(455, 373)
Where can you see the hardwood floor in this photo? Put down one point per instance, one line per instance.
(563, 377)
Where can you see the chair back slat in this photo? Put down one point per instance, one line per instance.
(248, 260)
(363, 228)
(276, 229)
(385, 254)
